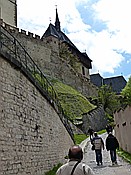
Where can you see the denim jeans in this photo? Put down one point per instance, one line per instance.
(98, 156)
(113, 155)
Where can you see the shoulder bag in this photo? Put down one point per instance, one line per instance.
(74, 168)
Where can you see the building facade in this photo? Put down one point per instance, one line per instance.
(116, 83)
(8, 11)
(79, 61)
(122, 119)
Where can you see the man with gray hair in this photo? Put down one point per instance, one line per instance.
(74, 166)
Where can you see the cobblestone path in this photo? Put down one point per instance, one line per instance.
(123, 168)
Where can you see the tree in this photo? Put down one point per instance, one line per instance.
(108, 98)
(126, 92)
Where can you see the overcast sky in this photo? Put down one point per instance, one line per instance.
(100, 27)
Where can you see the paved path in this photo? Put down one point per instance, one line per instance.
(123, 168)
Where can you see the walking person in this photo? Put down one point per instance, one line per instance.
(111, 145)
(109, 128)
(75, 166)
(98, 143)
(90, 131)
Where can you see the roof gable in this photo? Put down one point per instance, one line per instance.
(117, 83)
(52, 31)
(55, 31)
(96, 79)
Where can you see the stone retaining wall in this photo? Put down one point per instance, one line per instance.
(32, 136)
(46, 56)
(95, 118)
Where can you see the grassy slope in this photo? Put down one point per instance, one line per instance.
(73, 102)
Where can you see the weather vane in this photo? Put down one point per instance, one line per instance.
(50, 19)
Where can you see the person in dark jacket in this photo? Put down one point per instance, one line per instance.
(91, 132)
(111, 145)
(109, 128)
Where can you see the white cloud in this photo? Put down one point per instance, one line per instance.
(116, 15)
(38, 13)
(99, 48)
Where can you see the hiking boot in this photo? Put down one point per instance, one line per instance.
(113, 163)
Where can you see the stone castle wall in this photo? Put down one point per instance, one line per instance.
(32, 136)
(123, 127)
(96, 119)
(46, 55)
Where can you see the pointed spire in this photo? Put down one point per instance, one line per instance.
(57, 22)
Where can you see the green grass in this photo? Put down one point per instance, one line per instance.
(125, 155)
(102, 131)
(79, 138)
(72, 101)
(74, 104)
(53, 171)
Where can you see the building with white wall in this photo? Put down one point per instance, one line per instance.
(8, 11)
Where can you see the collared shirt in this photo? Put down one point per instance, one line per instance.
(81, 169)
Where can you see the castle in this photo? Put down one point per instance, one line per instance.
(34, 134)
(58, 57)
(31, 120)
(54, 48)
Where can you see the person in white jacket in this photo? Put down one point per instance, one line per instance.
(74, 166)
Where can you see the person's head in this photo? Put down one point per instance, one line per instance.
(95, 134)
(110, 134)
(75, 153)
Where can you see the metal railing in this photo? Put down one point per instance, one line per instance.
(12, 50)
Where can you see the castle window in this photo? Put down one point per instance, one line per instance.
(124, 124)
(83, 71)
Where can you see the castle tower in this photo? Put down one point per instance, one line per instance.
(8, 11)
